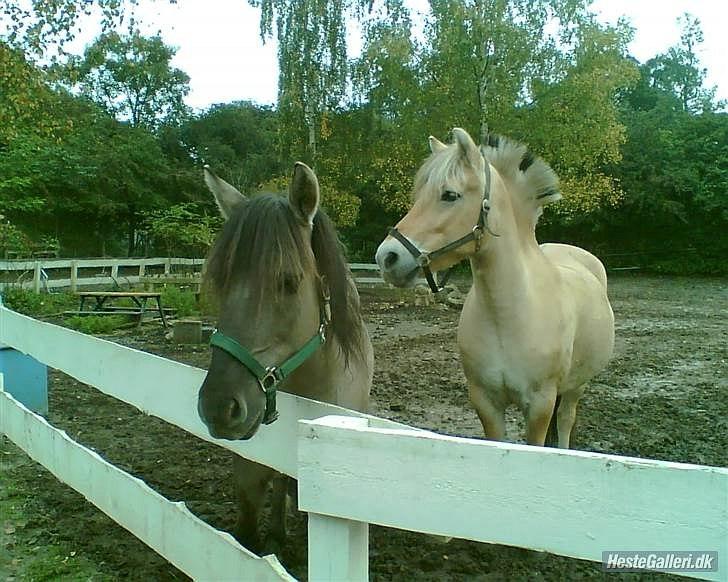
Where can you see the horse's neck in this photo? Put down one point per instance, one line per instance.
(504, 268)
(326, 377)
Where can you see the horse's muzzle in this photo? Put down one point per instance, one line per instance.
(396, 264)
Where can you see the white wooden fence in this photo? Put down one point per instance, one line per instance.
(355, 469)
(46, 274)
(74, 274)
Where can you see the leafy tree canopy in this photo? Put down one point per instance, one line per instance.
(131, 76)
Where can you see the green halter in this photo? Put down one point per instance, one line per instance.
(269, 377)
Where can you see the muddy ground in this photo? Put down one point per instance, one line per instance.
(664, 395)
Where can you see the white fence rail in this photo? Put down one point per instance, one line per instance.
(46, 274)
(168, 528)
(363, 470)
(159, 387)
(572, 503)
(74, 274)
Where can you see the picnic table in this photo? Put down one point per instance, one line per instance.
(103, 299)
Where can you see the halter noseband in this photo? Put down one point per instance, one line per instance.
(424, 259)
(271, 376)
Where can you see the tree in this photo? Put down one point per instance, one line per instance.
(132, 78)
(485, 55)
(25, 99)
(574, 122)
(678, 71)
(312, 63)
(239, 140)
(36, 25)
(185, 228)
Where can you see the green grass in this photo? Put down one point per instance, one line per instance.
(96, 324)
(27, 302)
(28, 549)
(183, 302)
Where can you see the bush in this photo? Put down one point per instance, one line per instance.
(96, 324)
(28, 302)
(183, 302)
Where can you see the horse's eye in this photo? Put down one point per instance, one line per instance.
(450, 196)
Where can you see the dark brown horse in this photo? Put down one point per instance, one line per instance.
(289, 318)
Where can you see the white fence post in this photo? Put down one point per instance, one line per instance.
(338, 549)
(114, 271)
(74, 276)
(36, 277)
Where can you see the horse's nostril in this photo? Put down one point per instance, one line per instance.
(390, 259)
(234, 411)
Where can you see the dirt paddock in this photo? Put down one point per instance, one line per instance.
(664, 396)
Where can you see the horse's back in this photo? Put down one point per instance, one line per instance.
(568, 255)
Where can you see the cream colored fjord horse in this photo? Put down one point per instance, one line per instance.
(537, 323)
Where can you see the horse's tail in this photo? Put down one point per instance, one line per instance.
(552, 435)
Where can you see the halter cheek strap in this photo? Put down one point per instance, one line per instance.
(271, 376)
(424, 259)
(268, 377)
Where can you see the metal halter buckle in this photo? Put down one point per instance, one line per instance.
(423, 260)
(322, 332)
(270, 379)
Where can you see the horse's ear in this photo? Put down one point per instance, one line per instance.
(467, 147)
(436, 145)
(304, 192)
(226, 196)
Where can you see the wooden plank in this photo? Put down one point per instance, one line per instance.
(571, 503)
(183, 261)
(24, 265)
(74, 276)
(338, 549)
(148, 294)
(161, 387)
(193, 546)
(36, 277)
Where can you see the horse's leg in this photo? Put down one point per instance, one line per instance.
(251, 482)
(566, 415)
(492, 414)
(276, 534)
(538, 415)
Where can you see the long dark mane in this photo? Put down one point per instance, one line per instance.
(262, 241)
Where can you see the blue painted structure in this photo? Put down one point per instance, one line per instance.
(25, 378)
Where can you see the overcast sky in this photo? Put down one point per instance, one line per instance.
(219, 45)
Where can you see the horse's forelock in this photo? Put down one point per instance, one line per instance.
(263, 242)
(260, 242)
(441, 167)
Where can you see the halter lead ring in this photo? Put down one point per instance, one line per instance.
(424, 259)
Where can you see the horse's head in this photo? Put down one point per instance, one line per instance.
(449, 193)
(463, 197)
(271, 300)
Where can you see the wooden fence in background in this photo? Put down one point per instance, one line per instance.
(75, 274)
